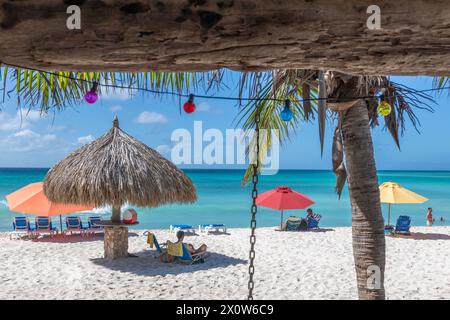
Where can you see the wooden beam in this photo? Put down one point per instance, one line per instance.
(189, 35)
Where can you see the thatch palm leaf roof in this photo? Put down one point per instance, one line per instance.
(117, 169)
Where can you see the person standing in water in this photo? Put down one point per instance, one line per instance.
(429, 217)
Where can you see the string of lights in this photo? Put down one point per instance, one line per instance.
(91, 96)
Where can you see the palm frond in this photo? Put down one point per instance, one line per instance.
(321, 111)
(441, 83)
(57, 90)
(283, 84)
(294, 85)
(404, 102)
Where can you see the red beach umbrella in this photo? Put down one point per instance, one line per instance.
(283, 198)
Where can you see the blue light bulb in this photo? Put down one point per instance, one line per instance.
(286, 114)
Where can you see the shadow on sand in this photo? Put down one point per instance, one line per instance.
(322, 230)
(218, 233)
(196, 234)
(423, 236)
(306, 231)
(147, 264)
(73, 238)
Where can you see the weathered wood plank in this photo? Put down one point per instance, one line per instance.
(124, 35)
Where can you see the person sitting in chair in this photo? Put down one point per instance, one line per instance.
(309, 213)
(190, 247)
(167, 257)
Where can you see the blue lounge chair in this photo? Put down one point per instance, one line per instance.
(44, 225)
(207, 227)
(313, 222)
(92, 227)
(189, 258)
(21, 225)
(181, 227)
(403, 225)
(74, 225)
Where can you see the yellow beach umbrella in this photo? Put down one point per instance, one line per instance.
(391, 192)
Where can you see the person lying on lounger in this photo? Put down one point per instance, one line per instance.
(190, 247)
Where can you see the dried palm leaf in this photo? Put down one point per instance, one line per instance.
(338, 161)
(306, 96)
(322, 105)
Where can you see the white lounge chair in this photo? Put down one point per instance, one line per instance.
(206, 228)
(181, 227)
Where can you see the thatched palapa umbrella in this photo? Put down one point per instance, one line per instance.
(113, 170)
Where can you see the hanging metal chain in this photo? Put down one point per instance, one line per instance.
(254, 208)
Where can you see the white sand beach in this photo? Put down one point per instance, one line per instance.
(289, 265)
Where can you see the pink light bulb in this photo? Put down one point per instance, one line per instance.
(91, 96)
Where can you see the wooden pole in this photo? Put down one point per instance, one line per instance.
(244, 34)
(281, 223)
(389, 215)
(115, 217)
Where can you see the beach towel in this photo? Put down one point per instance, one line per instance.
(175, 249)
(150, 239)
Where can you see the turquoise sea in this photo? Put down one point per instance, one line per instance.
(221, 199)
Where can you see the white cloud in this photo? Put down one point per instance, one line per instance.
(119, 95)
(26, 141)
(26, 134)
(151, 117)
(115, 108)
(204, 107)
(55, 128)
(163, 149)
(21, 120)
(85, 139)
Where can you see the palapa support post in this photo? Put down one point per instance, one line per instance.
(115, 217)
(116, 242)
(116, 237)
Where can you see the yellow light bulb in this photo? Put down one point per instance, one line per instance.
(384, 109)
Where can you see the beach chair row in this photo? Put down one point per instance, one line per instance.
(44, 225)
(202, 228)
(75, 225)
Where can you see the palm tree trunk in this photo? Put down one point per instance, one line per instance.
(367, 220)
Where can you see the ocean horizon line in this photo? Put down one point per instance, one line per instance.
(241, 170)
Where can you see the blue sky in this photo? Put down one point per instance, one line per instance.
(33, 141)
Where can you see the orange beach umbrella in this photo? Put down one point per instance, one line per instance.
(32, 200)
